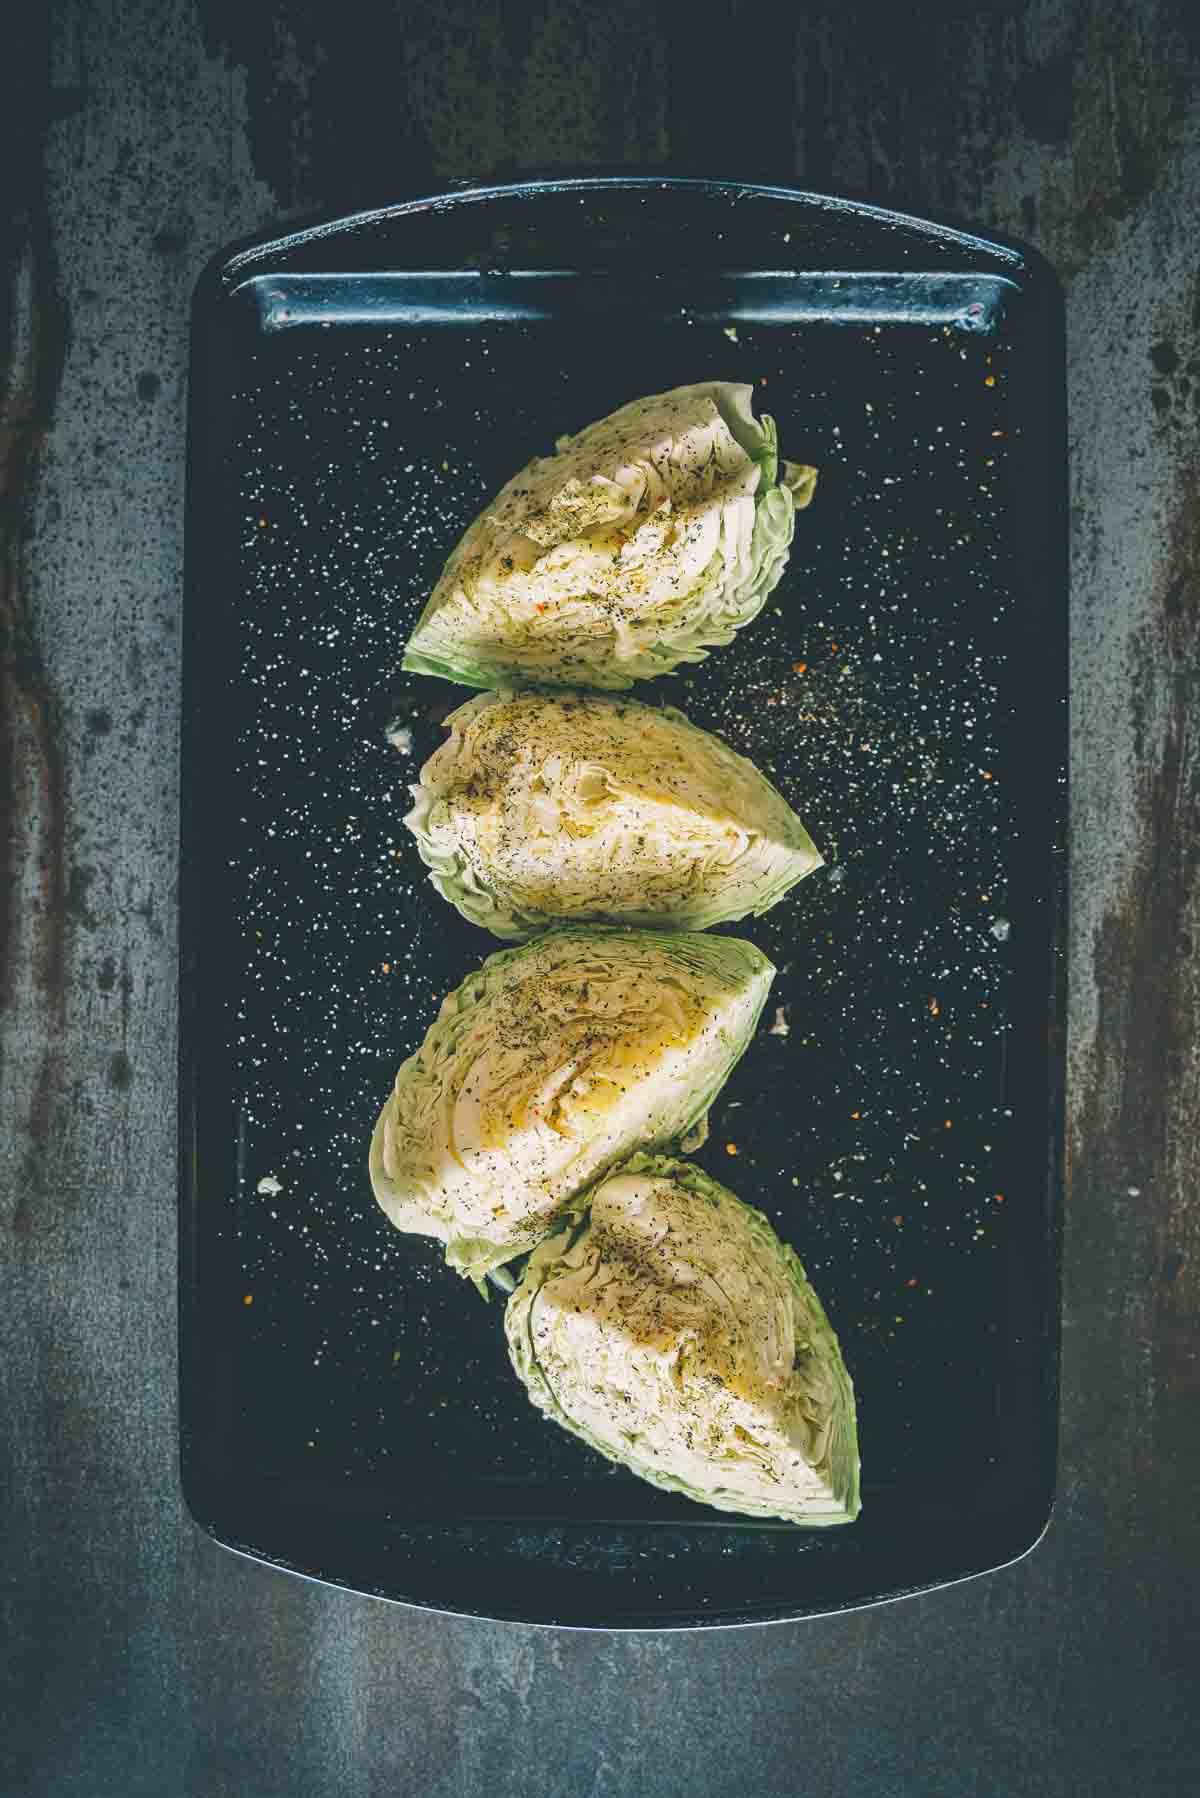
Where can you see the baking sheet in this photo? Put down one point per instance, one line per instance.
(357, 395)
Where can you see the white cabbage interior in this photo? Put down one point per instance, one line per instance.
(671, 1332)
(543, 806)
(549, 1065)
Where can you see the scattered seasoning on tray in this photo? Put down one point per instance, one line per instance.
(881, 751)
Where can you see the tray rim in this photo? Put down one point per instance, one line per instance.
(1028, 1541)
(242, 255)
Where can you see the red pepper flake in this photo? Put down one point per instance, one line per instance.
(385, 967)
(999, 1198)
(989, 380)
(799, 667)
(248, 1299)
(935, 1009)
(833, 649)
(731, 1148)
(897, 1220)
(910, 1282)
(856, 1114)
(987, 775)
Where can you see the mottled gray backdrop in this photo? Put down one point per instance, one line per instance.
(137, 136)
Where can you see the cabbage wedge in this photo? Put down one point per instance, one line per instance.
(670, 1328)
(549, 1064)
(544, 807)
(648, 538)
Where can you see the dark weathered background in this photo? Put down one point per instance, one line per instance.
(136, 136)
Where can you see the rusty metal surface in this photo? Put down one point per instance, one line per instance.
(137, 139)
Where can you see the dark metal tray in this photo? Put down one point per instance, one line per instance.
(358, 390)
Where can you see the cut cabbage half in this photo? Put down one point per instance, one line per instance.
(645, 540)
(670, 1328)
(548, 1065)
(544, 807)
